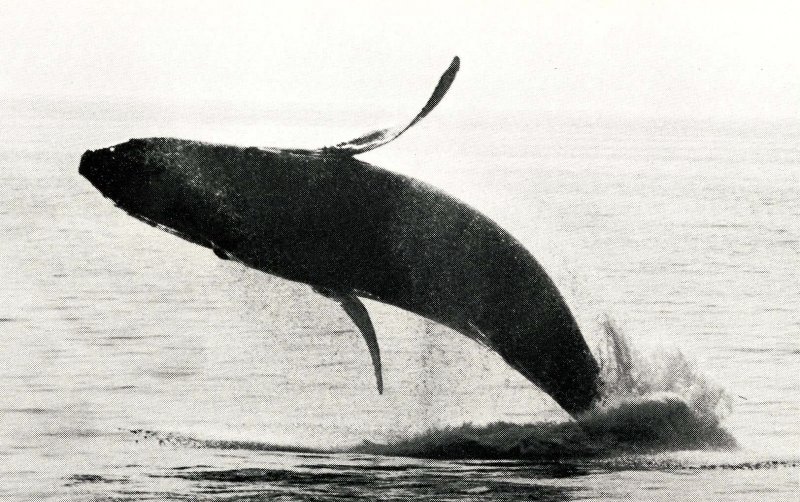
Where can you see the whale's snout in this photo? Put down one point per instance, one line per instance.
(84, 158)
(94, 166)
(153, 179)
(109, 170)
(83, 167)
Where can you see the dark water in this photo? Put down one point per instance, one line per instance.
(135, 366)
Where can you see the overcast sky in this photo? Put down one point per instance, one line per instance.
(717, 59)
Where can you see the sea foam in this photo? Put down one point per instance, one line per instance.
(651, 404)
(662, 402)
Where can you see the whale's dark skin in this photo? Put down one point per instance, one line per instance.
(351, 229)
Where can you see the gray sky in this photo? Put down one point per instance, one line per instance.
(715, 59)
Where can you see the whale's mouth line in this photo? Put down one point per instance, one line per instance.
(200, 242)
(208, 243)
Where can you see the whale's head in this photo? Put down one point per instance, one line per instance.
(160, 182)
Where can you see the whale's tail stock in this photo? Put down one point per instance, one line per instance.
(569, 374)
(557, 360)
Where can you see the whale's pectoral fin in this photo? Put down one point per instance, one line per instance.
(374, 139)
(360, 317)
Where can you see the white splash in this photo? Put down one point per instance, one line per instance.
(630, 376)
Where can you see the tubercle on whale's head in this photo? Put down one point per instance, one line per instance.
(156, 181)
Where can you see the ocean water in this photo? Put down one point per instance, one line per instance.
(136, 366)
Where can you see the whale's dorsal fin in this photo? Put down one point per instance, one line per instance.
(360, 317)
(374, 139)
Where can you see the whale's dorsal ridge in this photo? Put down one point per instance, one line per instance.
(360, 317)
(374, 139)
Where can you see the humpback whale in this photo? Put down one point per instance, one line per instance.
(351, 230)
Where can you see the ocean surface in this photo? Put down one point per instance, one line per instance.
(137, 366)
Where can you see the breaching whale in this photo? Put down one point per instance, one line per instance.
(349, 229)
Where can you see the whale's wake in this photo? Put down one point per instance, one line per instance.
(657, 404)
(651, 404)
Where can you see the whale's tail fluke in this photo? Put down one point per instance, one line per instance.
(374, 139)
